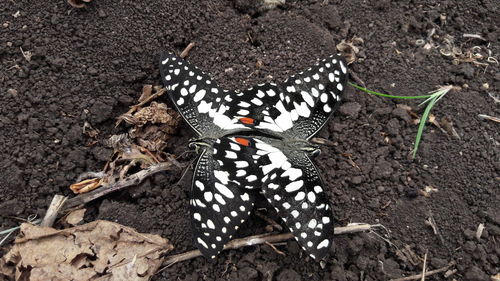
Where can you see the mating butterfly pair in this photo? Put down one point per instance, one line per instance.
(254, 141)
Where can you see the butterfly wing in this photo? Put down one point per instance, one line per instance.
(292, 185)
(299, 107)
(198, 98)
(222, 194)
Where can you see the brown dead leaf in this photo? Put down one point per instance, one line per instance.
(99, 250)
(75, 217)
(349, 48)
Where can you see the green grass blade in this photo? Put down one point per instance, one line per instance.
(389, 96)
(421, 126)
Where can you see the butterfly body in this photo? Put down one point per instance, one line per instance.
(256, 141)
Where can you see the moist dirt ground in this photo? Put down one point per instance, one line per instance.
(61, 67)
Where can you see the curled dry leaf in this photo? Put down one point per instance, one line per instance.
(85, 185)
(78, 3)
(349, 48)
(99, 250)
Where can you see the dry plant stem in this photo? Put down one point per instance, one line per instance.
(262, 239)
(56, 205)
(424, 266)
(491, 118)
(428, 273)
(133, 179)
(270, 221)
(188, 48)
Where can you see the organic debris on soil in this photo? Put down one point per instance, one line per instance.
(142, 145)
(100, 250)
(89, 64)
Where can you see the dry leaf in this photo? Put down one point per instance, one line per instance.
(78, 3)
(157, 113)
(349, 49)
(85, 185)
(75, 217)
(99, 250)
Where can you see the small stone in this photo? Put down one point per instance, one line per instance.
(402, 114)
(92, 71)
(357, 179)
(102, 14)
(467, 71)
(248, 273)
(288, 275)
(474, 273)
(469, 234)
(380, 188)
(350, 109)
(12, 92)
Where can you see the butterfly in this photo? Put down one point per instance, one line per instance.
(257, 141)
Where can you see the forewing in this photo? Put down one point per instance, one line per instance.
(197, 97)
(294, 188)
(300, 106)
(222, 197)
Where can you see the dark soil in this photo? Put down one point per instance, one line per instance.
(89, 65)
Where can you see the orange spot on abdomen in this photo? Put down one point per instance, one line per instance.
(242, 141)
(247, 120)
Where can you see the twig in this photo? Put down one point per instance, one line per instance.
(424, 266)
(491, 118)
(270, 221)
(275, 249)
(428, 273)
(27, 55)
(188, 48)
(430, 221)
(262, 239)
(133, 179)
(356, 78)
(56, 205)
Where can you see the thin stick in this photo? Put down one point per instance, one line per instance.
(262, 239)
(188, 48)
(131, 180)
(51, 214)
(423, 267)
(491, 118)
(428, 273)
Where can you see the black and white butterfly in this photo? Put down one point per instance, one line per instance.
(253, 141)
